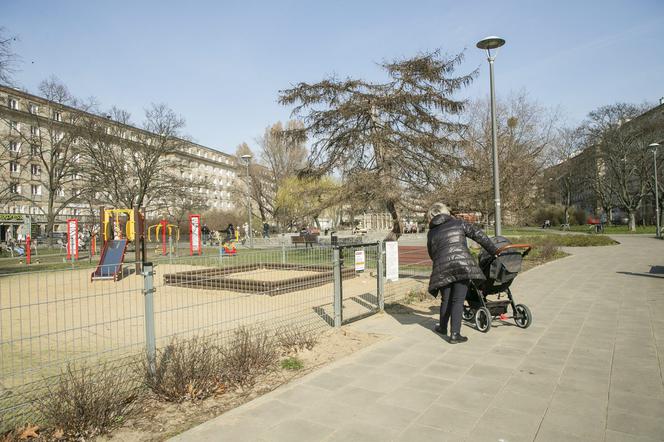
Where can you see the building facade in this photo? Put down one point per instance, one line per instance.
(33, 130)
(577, 182)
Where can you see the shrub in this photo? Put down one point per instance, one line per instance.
(416, 296)
(546, 250)
(294, 339)
(83, 402)
(292, 363)
(249, 354)
(185, 370)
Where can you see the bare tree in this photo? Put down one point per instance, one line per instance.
(526, 136)
(8, 58)
(258, 183)
(52, 143)
(402, 133)
(132, 167)
(283, 157)
(568, 176)
(623, 160)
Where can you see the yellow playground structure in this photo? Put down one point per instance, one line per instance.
(165, 229)
(112, 217)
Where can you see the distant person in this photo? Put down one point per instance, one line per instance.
(602, 221)
(453, 265)
(266, 230)
(205, 231)
(230, 233)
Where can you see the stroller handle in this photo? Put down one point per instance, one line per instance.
(528, 248)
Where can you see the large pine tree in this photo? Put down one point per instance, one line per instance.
(398, 137)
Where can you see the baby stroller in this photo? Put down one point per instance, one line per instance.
(499, 271)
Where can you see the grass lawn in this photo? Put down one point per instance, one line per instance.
(565, 240)
(616, 229)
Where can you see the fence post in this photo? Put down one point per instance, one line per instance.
(338, 314)
(380, 279)
(150, 338)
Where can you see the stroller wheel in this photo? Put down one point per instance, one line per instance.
(483, 319)
(468, 314)
(522, 316)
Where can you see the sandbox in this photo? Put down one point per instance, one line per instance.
(257, 278)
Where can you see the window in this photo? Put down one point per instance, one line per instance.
(13, 103)
(14, 167)
(34, 131)
(14, 188)
(33, 109)
(35, 189)
(57, 115)
(14, 146)
(13, 125)
(34, 150)
(35, 169)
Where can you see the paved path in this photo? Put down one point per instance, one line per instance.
(590, 368)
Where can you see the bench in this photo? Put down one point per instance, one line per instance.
(307, 240)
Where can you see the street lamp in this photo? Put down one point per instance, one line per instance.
(488, 44)
(654, 147)
(247, 159)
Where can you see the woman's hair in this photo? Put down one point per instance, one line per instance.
(437, 209)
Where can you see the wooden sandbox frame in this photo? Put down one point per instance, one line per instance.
(213, 279)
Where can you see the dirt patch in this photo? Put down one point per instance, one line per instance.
(158, 421)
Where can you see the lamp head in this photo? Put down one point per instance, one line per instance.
(246, 157)
(491, 42)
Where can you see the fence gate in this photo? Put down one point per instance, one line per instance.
(358, 281)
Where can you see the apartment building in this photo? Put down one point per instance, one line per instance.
(25, 117)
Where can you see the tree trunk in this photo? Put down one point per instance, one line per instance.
(397, 227)
(632, 221)
(50, 219)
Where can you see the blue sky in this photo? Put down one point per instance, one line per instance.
(220, 64)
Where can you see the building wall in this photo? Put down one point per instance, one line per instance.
(19, 109)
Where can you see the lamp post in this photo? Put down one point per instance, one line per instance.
(654, 147)
(247, 160)
(488, 44)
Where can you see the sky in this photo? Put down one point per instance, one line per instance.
(221, 64)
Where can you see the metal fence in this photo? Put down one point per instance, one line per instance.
(49, 319)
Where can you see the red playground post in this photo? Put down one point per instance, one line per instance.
(27, 250)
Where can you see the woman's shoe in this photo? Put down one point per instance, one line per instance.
(456, 338)
(437, 329)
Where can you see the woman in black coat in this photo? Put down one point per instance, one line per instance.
(453, 265)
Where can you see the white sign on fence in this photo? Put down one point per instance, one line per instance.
(194, 234)
(72, 239)
(359, 260)
(392, 261)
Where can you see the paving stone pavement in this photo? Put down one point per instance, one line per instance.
(588, 369)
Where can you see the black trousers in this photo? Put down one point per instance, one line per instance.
(451, 305)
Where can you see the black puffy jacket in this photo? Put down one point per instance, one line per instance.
(452, 261)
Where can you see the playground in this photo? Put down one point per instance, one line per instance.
(47, 318)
